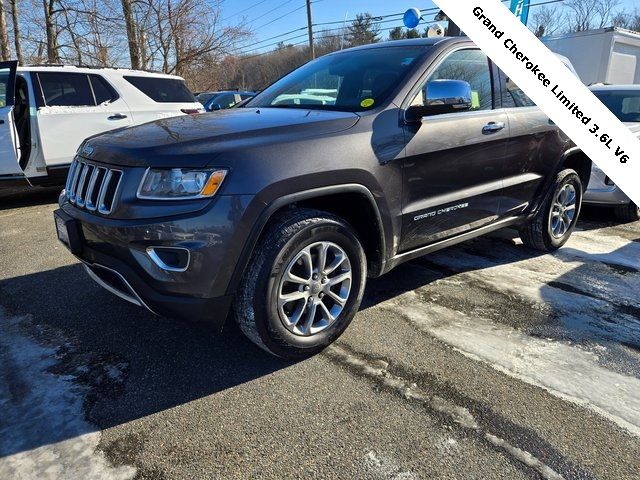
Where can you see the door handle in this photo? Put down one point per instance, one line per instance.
(117, 116)
(492, 127)
(1, 122)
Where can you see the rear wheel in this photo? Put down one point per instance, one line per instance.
(555, 221)
(628, 213)
(303, 286)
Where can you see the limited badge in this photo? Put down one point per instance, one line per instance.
(367, 102)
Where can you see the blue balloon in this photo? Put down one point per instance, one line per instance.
(412, 18)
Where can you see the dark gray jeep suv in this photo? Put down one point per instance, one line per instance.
(343, 169)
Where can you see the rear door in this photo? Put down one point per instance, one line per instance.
(152, 98)
(533, 150)
(9, 145)
(454, 164)
(73, 106)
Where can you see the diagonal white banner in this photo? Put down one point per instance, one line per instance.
(546, 80)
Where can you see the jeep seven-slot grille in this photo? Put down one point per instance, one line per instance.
(92, 187)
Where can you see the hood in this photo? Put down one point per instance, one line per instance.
(195, 140)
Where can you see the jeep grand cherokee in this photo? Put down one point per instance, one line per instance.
(281, 209)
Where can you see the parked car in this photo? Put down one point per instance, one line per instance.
(624, 102)
(224, 100)
(49, 110)
(203, 97)
(283, 211)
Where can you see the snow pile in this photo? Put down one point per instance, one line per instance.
(43, 434)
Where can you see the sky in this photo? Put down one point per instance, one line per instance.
(269, 18)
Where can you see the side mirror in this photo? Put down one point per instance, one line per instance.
(214, 107)
(442, 96)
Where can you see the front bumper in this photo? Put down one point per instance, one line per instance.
(601, 192)
(116, 253)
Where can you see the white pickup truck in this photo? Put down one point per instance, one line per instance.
(47, 111)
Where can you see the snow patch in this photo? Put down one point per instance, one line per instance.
(63, 109)
(525, 457)
(386, 468)
(562, 369)
(42, 429)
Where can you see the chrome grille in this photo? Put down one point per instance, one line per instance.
(93, 187)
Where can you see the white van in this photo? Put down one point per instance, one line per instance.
(608, 55)
(47, 111)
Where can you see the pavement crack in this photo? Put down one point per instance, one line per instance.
(403, 384)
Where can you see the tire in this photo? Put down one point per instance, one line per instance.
(542, 232)
(628, 213)
(301, 234)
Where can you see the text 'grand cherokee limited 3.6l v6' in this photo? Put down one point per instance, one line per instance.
(343, 169)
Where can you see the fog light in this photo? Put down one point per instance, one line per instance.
(172, 259)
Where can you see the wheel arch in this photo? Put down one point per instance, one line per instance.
(576, 159)
(353, 202)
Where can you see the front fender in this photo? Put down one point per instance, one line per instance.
(264, 206)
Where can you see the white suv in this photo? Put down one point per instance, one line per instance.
(47, 111)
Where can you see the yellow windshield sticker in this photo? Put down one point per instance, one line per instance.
(367, 102)
(475, 99)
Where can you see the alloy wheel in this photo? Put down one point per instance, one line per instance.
(563, 211)
(314, 288)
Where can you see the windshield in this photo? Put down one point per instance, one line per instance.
(623, 104)
(350, 81)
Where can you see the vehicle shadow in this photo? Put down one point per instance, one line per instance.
(162, 363)
(131, 363)
(27, 196)
(490, 251)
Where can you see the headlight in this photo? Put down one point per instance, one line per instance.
(179, 183)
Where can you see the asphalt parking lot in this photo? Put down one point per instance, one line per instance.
(483, 361)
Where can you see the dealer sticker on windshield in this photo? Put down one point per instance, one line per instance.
(367, 102)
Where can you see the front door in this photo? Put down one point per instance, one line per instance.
(454, 163)
(9, 143)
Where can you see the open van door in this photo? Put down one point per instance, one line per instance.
(9, 144)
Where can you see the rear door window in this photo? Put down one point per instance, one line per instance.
(162, 90)
(512, 94)
(66, 89)
(102, 90)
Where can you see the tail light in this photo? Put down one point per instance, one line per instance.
(192, 111)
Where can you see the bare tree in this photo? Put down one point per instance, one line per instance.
(547, 21)
(588, 14)
(15, 17)
(53, 54)
(132, 37)
(5, 52)
(605, 10)
(628, 20)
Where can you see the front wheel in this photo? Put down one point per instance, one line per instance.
(303, 286)
(554, 223)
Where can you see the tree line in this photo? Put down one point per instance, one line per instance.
(191, 39)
